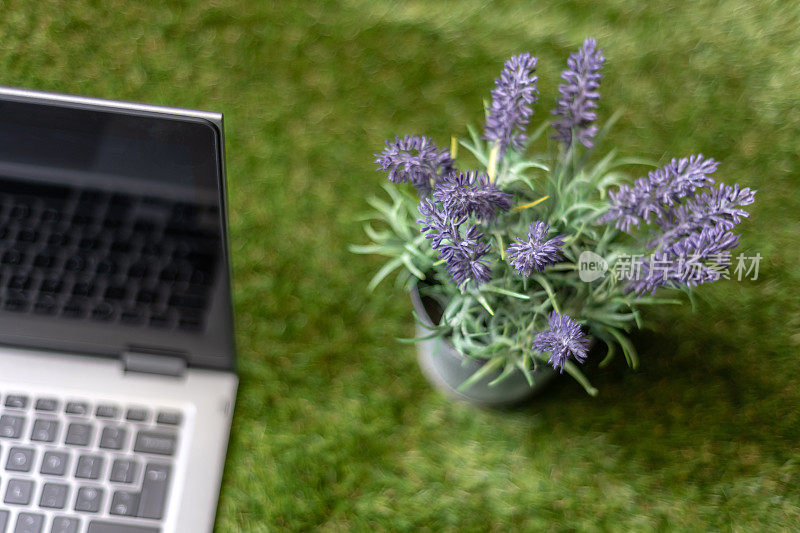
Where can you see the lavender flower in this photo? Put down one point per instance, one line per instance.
(656, 195)
(471, 193)
(464, 258)
(576, 106)
(435, 224)
(698, 258)
(415, 159)
(564, 339)
(510, 111)
(463, 253)
(720, 207)
(536, 253)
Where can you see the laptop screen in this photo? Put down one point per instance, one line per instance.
(112, 231)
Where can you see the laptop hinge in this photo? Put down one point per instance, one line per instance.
(154, 362)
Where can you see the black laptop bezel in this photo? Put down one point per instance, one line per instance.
(214, 348)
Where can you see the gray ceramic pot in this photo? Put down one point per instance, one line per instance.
(446, 369)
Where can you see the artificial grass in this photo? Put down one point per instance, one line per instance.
(335, 428)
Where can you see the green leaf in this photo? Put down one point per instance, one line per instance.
(490, 366)
(381, 206)
(550, 294)
(482, 300)
(506, 292)
(406, 259)
(415, 340)
(507, 371)
(627, 348)
(575, 372)
(383, 272)
(366, 249)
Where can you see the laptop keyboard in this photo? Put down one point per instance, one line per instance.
(73, 466)
(93, 255)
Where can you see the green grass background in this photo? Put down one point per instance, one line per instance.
(335, 428)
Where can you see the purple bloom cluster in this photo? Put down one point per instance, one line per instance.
(415, 159)
(563, 339)
(576, 105)
(462, 251)
(657, 195)
(718, 207)
(693, 219)
(695, 259)
(532, 255)
(471, 194)
(510, 111)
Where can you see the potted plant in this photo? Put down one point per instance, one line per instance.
(518, 258)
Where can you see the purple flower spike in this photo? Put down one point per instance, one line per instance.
(536, 253)
(564, 339)
(657, 195)
(415, 159)
(463, 253)
(698, 258)
(435, 225)
(576, 107)
(464, 259)
(510, 111)
(471, 194)
(720, 207)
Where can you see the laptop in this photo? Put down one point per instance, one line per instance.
(117, 375)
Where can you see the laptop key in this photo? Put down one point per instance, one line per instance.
(79, 434)
(157, 442)
(54, 463)
(83, 288)
(136, 414)
(138, 270)
(13, 257)
(77, 408)
(58, 239)
(172, 418)
(16, 303)
(3, 520)
(45, 430)
(19, 282)
(103, 311)
(124, 471)
(46, 404)
(27, 235)
(54, 496)
(89, 499)
(46, 305)
(74, 309)
(116, 293)
(17, 401)
(125, 503)
(44, 260)
(11, 426)
(146, 297)
(65, 524)
(20, 459)
(106, 411)
(96, 526)
(76, 263)
(29, 523)
(19, 492)
(113, 438)
(154, 491)
(132, 316)
(160, 320)
(89, 467)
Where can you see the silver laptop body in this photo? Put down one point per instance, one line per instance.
(117, 362)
